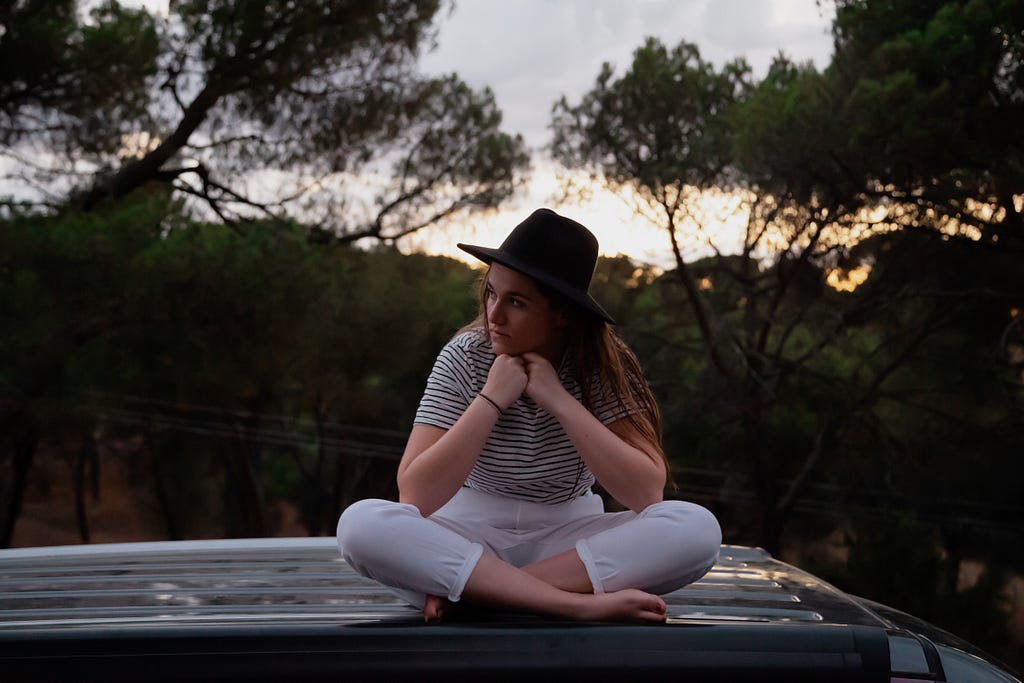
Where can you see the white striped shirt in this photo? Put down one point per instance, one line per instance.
(528, 455)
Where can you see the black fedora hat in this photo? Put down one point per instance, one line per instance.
(552, 249)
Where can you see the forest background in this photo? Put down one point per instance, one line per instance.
(208, 329)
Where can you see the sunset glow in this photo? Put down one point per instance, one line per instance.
(625, 223)
(848, 280)
(622, 222)
(137, 145)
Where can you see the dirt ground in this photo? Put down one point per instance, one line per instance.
(124, 511)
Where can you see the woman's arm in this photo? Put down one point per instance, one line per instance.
(626, 465)
(437, 462)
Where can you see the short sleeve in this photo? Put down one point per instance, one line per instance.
(450, 387)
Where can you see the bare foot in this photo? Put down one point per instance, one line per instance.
(629, 605)
(433, 609)
(625, 605)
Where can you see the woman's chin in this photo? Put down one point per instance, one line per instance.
(500, 345)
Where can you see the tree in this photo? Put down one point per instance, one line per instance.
(662, 133)
(67, 285)
(915, 127)
(789, 363)
(237, 362)
(929, 97)
(251, 109)
(659, 129)
(72, 82)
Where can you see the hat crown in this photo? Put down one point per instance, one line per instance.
(556, 246)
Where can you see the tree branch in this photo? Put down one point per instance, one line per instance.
(138, 172)
(690, 286)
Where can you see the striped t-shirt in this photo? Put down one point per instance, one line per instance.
(528, 455)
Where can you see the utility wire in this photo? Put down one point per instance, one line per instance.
(702, 485)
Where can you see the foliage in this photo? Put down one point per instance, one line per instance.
(765, 370)
(66, 78)
(782, 131)
(237, 349)
(663, 120)
(792, 408)
(253, 110)
(920, 113)
(742, 315)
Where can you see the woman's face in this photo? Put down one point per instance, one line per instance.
(520, 318)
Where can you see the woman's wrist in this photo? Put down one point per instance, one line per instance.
(491, 401)
(563, 405)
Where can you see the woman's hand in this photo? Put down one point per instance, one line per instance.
(624, 463)
(506, 380)
(543, 385)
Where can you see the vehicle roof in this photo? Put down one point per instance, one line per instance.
(292, 609)
(281, 581)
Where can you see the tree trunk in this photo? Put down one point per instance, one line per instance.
(22, 453)
(137, 173)
(316, 494)
(163, 498)
(349, 473)
(87, 456)
(243, 481)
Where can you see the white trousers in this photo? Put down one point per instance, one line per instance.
(660, 549)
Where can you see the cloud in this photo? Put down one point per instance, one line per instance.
(760, 30)
(531, 52)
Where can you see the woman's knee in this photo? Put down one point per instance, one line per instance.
(362, 527)
(690, 526)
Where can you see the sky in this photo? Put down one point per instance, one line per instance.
(532, 52)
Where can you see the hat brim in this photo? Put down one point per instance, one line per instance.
(575, 294)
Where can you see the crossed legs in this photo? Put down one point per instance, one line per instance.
(557, 586)
(606, 576)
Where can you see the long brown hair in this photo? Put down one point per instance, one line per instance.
(602, 364)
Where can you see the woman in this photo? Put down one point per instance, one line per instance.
(525, 408)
